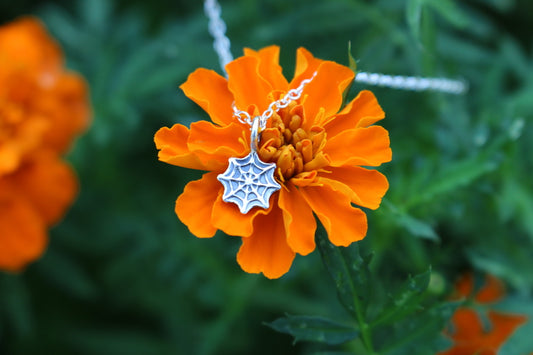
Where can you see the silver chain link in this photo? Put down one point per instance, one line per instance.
(291, 95)
(217, 28)
(413, 83)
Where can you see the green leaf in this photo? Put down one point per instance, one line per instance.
(450, 11)
(96, 13)
(312, 328)
(428, 38)
(415, 226)
(72, 279)
(406, 300)
(15, 304)
(413, 12)
(352, 63)
(504, 263)
(349, 271)
(454, 176)
(420, 333)
(112, 340)
(515, 202)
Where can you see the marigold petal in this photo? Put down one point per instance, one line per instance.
(325, 91)
(66, 106)
(306, 65)
(173, 149)
(469, 334)
(194, 206)
(503, 325)
(367, 186)
(22, 233)
(210, 91)
(300, 224)
(343, 222)
(48, 184)
(362, 111)
(467, 324)
(9, 159)
(214, 145)
(269, 67)
(305, 179)
(246, 83)
(228, 218)
(361, 146)
(492, 291)
(266, 250)
(29, 45)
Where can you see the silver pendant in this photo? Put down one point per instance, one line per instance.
(248, 181)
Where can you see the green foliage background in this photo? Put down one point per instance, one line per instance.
(122, 275)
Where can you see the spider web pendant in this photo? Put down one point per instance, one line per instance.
(249, 182)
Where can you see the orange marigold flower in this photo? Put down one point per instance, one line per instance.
(319, 151)
(468, 333)
(42, 109)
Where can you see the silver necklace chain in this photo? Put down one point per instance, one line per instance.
(291, 95)
(217, 29)
(221, 44)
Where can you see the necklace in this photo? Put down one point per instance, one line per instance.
(249, 182)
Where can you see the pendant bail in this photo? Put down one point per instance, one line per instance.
(249, 182)
(254, 134)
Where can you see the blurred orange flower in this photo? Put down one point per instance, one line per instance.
(469, 334)
(319, 152)
(42, 109)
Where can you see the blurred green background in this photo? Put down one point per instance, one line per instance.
(122, 275)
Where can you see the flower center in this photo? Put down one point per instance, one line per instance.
(293, 148)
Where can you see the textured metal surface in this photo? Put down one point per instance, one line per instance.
(248, 182)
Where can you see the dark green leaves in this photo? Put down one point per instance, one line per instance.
(420, 333)
(350, 273)
(403, 320)
(309, 328)
(404, 301)
(445, 8)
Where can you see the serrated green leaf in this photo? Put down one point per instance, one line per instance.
(349, 271)
(405, 301)
(312, 328)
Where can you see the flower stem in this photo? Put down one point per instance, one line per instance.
(345, 267)
(366, 332)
